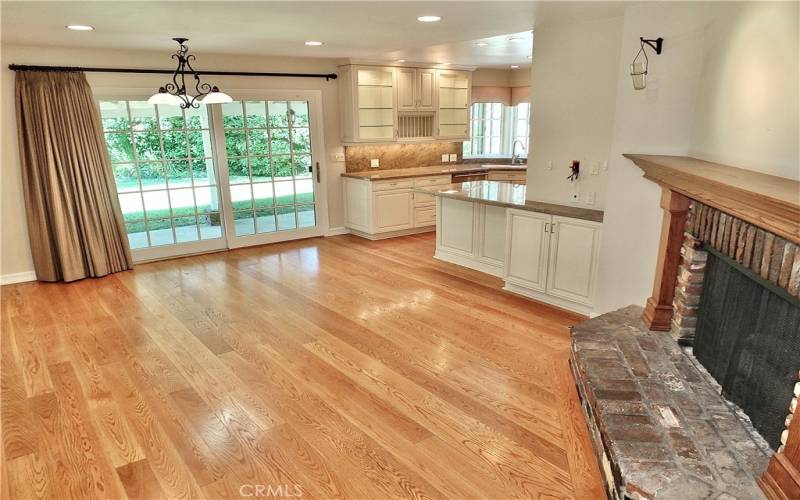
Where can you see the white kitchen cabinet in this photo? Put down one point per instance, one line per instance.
(527, 249)
(387, 208)
(367, 96)
(491, 242)
(454, 89)
(416, 89)
(391, 104)
(458, 235)
(553, 259)
(573, 261)
(393, 210)
(471, 234)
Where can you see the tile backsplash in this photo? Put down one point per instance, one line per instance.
(391, 156)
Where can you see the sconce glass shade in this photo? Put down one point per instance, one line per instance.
(639, 74)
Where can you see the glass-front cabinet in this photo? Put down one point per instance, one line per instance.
(377, 101)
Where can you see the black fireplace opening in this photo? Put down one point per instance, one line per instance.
(748, 338)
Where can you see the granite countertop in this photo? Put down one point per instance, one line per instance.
(506, 194)
(459, 168)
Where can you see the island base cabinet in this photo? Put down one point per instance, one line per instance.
(574, 256)
(471, 235)
(553, 259)
(527, 249)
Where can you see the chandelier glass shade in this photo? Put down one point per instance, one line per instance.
(177, 93)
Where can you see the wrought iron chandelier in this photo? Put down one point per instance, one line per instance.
(175, 92)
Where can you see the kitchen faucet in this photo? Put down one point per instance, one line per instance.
(514, 156)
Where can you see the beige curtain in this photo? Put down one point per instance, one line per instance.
(74, 221)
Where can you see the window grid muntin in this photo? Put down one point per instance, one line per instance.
(148, 221)
(510, 116)
(291, 155)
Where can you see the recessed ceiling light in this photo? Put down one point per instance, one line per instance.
(514, 66)
(429, 19)
(515, 38)
(313, 43)
(482, 44)
(401, 60)
(80, 27)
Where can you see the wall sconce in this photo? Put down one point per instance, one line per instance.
(639, 66)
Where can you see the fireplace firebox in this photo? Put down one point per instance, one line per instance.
(748, 338)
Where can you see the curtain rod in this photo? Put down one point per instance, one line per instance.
(26, 67)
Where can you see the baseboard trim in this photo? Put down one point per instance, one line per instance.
(548, 299)
(336, 231)
(392, 234)
(10, 279)
(460, 260)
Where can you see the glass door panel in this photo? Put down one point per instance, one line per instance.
(163, 165)
(269, 157)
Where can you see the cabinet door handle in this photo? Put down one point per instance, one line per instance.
(546, 227)
(552, 228)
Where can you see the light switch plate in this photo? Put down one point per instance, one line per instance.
(591, 197)
(453, 157)
(338, 156)
(374, 163)
(445, 158)
(595, 168)
(549, 164)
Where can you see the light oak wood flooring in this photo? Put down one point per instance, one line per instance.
(330, 368)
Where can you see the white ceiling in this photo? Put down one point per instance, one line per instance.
(378, 30)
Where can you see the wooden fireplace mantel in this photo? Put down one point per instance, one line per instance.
(766, 201)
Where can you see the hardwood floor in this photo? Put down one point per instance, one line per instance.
(334, 367)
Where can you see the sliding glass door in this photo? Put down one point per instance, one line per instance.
(220, 176)
(270, 150)
(164, 168)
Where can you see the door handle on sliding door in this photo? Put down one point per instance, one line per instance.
(317, 165)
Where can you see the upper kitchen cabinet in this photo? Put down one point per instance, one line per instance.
(416, 89)
(454, 95)
(368, 105)
(391, 104)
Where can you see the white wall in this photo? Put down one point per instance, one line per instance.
(747, 103)
(656, 120)
(14, 247)
(573, 89)
(725, 89)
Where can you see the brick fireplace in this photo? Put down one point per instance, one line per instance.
(660, 422)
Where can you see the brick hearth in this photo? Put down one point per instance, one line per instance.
(660, 427)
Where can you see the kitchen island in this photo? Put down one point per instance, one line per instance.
(546, 251)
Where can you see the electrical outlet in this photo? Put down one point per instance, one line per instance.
(445, 158)
(374, 163)
(595, 167)
(549, 164)
(338, 156)
(591, 197)
(453, 157)
(605, 165)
